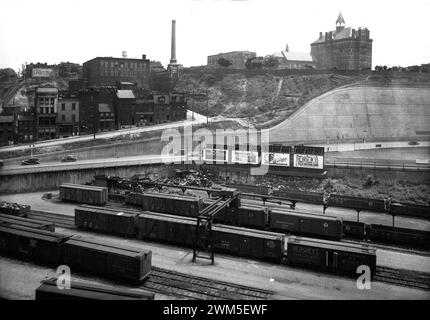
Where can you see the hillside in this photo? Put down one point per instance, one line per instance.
(267, 98)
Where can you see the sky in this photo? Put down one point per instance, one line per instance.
(53, 31)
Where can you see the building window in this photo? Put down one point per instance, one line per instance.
(52, 100)
(52, 110)
(73, 117)
(41, 101)
(63, 106)
(73, 106)
(41, 110)
(63, 117)
(46, 101)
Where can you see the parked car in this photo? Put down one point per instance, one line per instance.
(30, 162)
(69, 158)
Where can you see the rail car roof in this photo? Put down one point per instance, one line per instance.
(248, 232)
(335, 245)
(100, 245)
(303, 214)
(33, 233)
(82, 186)
(168, 217)
(102, 210)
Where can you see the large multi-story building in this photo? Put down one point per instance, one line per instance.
(343, 48)
(106, 71)
(25, 128)
(6, 130)
(46, 113)
(68, 115)
(237, 58)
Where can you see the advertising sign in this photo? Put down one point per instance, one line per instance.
(214, 155)
(276, 159)
(308, 161)
(247, 157)
(42, 72)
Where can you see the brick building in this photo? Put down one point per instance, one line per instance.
(68, 115)
(237, 58)
(46, 113)
(125, 103)
(96, 109)
(25, 128)
(294, 60)
(343, 48)
(6, 130)
(106, 71)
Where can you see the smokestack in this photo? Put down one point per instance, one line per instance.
(124, 54)
(173, 49)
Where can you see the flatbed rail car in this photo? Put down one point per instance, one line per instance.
(26, 222)
(29, 243)
(111, 260)
(165, 203)
(48, 290)
(13, 208)
(330, 256)
(83, 194)
(105, 220)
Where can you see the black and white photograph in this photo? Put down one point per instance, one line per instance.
(215, 157)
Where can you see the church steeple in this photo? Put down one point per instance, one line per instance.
(340, 22)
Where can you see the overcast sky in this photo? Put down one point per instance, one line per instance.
(79, 30)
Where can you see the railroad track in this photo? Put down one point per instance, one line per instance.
(172, 283)
(407, 278)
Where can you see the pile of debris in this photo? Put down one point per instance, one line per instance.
(16, 209)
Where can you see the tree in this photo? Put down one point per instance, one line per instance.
(224, 62)
(254, 63)
(7, 74)
(271, 62)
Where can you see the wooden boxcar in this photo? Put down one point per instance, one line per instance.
(35, 244)
(26, 222)
(354, 229)
(295, 222)
(252, 216)
(395, 235)
(107, 259)
(166, 228)
(330, 256)
(48, 290)
(337, 200)
(83, 194)
(248, 242)
(112, 221)
(167, 203)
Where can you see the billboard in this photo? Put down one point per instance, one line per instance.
(247, 157)
(214, 155)
(308, 161)
(42, 72)
(276, 159)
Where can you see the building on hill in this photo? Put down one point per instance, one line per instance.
(293, 60)
(68, 115)
(237, 58)
(343, 48)
(125, 103)
(6, 130)
(40, 70)
(106, 71)
(46, 113)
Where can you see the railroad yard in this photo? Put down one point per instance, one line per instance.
(158, 217)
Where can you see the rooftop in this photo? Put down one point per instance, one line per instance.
(125, 94)
(47, 90)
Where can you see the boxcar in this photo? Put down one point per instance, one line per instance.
(107, 259)
(14, 209)
(226, 215)
(40, 245)
(112, 221)
(48, 290)
(168, 203)
(166, 228)
(412, 210)
(354, 229)
(330, 256)
(336, 200)
(248, 242)
(295, 222)
(83, 194)
(26, 222)
(252, 216)
(304, 196)
(394, 235)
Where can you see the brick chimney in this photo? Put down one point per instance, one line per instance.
(173, 48)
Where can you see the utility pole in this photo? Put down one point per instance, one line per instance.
(207, 106)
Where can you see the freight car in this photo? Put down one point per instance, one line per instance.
(166, 203)
(111, 260)
(14, 209)
(26, 222)
(330, 256)
(105, 220)
(306, 224)
(48, 290)
(395, 235)
(83, 194)
(35, 244)
(354, 229)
